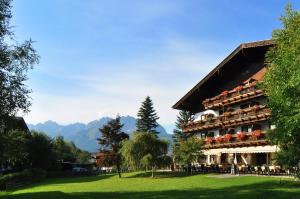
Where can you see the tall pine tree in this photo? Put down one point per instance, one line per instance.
(183, 118)
(147, 117)
(110, 142)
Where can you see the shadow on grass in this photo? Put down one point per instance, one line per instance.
(264, 190)
(159, 174)
(51, 181)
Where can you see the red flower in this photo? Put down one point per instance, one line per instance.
(238, 88)
(219, 139)
(224, 93)
(227, 137)
(209, 140)
(256, 134)
(241, 135)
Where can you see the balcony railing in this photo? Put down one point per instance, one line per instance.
(230, 119)
(238, 94)
(249, 139)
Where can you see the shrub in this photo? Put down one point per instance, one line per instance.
(20, 178)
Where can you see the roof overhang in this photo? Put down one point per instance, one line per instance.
(243, 54)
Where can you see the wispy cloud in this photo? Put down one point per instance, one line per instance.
(120, 86)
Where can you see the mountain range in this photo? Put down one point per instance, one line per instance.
(85, 135)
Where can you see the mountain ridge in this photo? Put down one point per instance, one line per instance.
(85, 135)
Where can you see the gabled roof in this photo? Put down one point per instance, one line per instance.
(16, 123)
(244, 52)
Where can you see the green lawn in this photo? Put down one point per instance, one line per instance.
(136, 185)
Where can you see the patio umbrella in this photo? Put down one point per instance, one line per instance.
(235, 160)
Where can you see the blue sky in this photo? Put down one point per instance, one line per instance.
(103, 57)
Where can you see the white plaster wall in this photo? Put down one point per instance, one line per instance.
(198, 115)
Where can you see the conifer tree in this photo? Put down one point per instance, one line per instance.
(183, 118)
(110, 142)
(147, 117)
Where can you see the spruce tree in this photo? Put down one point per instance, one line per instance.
(147, 117)
(183, 118)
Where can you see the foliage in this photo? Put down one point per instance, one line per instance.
(110, 142)
(23, 177)
(16, 59)
(40, 151)
(183, 118)
(16, 152)
(282, 86)
(147, 117)
(189, 151)
(68, 152)
(144, 150)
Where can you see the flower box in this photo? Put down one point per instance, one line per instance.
(209, 140)
(219, 139)
(256, 134)
(224, 93)
(227, 137)
(238, 88)
(241, 136)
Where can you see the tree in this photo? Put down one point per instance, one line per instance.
(41, 154)
(64, 151)
(16, 150)
(282, 87)
(183, 118)
(189, 151)
(111, 139)
(16, 59)
(144, 150)
(147, 117)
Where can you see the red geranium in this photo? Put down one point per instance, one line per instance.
(238, 88)
(241, 135)
(219, 139)
(224, 93)
(256, 134)
(209, 140)
(227, 137)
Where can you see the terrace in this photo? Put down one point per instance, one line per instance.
(250, 115)
(242, 139)
(238, 94)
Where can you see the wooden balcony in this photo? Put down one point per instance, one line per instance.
(239, 94)
(235, 142)
(230, 119)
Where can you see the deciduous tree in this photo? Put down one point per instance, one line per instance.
(15, 60)
(144, 150)
(189, 151)
(282, 87)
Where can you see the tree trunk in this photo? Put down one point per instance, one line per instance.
(153, 168)
(119, 172)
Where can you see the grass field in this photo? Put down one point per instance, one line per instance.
(137, 185)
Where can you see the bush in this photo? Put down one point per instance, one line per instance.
(20, 178)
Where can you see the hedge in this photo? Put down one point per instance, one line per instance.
(21, 178)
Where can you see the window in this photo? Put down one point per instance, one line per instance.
(245, 128)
